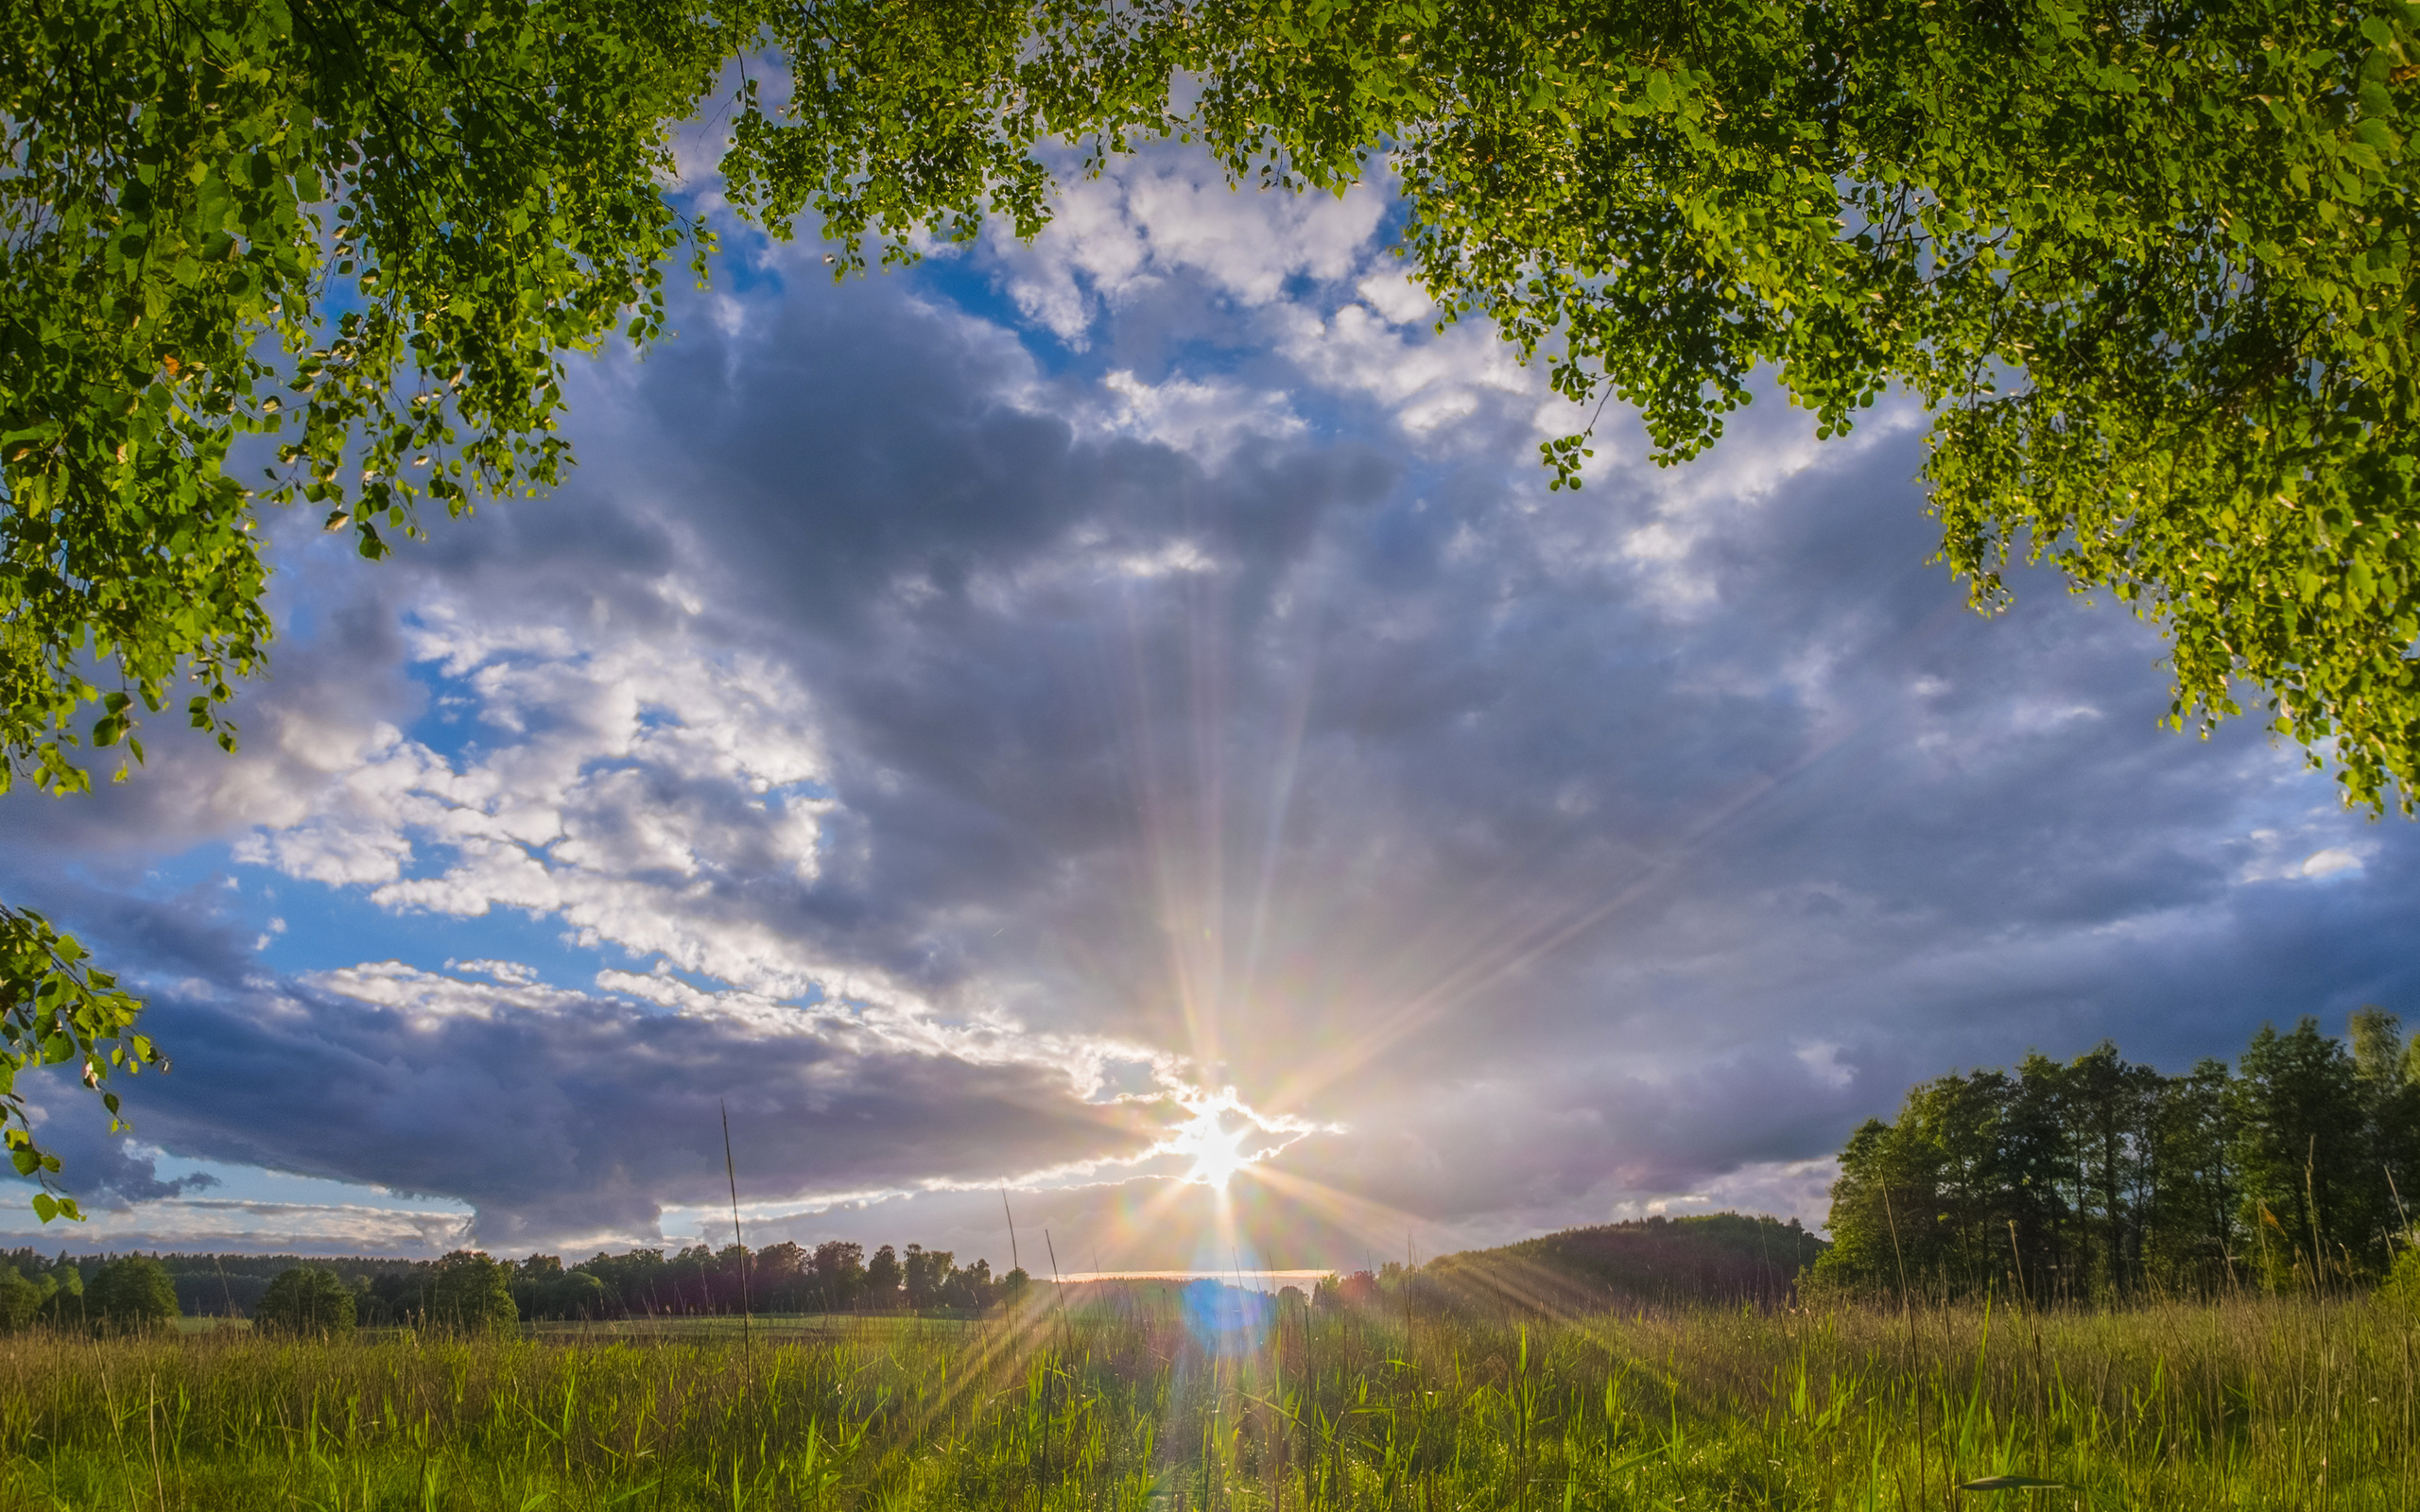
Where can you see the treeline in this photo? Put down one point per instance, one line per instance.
(124, 1292)
(835, 1277)
(2097, 1179)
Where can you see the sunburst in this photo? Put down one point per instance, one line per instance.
(1224, 1138)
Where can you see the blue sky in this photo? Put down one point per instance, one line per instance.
(1074, 717)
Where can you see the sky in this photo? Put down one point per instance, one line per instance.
(1115, 733)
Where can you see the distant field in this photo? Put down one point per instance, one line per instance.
(764, 1326)
(2255, 1403)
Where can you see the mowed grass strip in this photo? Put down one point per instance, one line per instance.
(2248, 1403)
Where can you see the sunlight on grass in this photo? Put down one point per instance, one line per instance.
(1112, 1403)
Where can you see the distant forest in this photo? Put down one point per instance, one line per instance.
(785, 1277)
(2100, 1180)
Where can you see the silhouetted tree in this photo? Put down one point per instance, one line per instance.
(927, 1275)
(881, 1288)
(838, 1274)
(779, 1282)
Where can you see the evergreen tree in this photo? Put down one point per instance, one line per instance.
(2194, 1233)
(2110, 1116)
(63, 1288)
(2382, 1070)
(2097, 1179)
(2311, 1192)
(2038, 1240)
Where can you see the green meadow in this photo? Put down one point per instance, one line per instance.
(1115, 1403)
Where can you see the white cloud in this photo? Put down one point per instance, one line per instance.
(426, 997)
(2310, 846)
(1429, 384)
(1205, 420)
(512, 974)
(260, 1228)
(1393, 294)
(1160, 236)
(629, 775)
(1165, 214)
(1785, 1188)
(2329, 862)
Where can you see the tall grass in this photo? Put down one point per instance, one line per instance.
(2246, 1403)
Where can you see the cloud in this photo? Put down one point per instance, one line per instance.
(943, 715)
(2329, 862)
(1159, 224)
(551, 1111)
(262, 1229)
(1205, 420)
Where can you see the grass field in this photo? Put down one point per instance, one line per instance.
(2250, 1403)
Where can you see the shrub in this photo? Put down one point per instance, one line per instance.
(306, 1299)
(2402, 1284)
(574, 1294)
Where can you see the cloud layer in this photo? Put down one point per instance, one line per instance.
(949, 713)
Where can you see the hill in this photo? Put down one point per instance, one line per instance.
(1723, 1257)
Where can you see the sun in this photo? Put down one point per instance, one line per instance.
(1216, 1150)
(1223, 1137)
